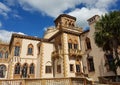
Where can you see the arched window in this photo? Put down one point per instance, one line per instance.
(90, 64)
(48, 67)
(30, 49)
(88, 44)
(17, 49)
(2, 71)
(6, 54)
(32, 69)
(24, 70)
(69, 44)
(1, 54)
(17, 68)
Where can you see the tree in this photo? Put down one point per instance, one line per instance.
(107, 35)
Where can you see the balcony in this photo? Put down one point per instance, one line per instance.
(57, 53)
(3, 60)
(75, 52)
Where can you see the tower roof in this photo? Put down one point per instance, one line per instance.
(65, 15)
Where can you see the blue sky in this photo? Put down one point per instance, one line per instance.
(33, 17)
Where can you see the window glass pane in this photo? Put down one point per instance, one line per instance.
(16, 51)
(69, 45)
(75, 46)
(17, 69)
(25, 70)
(48, 69)
(77, 68)
(2, 71)
(30, 50)
(32, 69)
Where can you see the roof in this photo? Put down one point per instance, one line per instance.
(25, 37)
(93, 17)
(65, 15)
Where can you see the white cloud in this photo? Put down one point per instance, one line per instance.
(105, 4)
(5, 35)
(55, 7)
(50, 7)
(84, 14)
(4, 9)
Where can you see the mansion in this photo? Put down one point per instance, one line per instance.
(64, 51)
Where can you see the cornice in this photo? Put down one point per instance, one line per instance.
(69, 31)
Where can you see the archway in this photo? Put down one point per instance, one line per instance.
(2, 71)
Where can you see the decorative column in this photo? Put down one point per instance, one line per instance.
(65, 54)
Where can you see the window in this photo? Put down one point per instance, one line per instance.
(1, 54)
(58, 68)
(17, 68)
(17, 49)
(24, 70)
(30, 49)
(77, 68)
(6, 55)
(109, 61)
(71, 68)
(48, 69)
(70, 44)
(32, 69)
(75, 46)
(90, 64)
(88, 44)
(2, 71)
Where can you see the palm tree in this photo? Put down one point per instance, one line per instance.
(107, 35)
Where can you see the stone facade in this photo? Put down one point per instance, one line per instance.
(64, 51)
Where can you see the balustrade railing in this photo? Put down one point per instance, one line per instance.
(75, 52)
(46, 81)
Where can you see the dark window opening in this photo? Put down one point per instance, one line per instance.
(88, 43)
(17, 68)
(75, 46)
(69, 45)
(58, 68)
(16, 51)
(48, 69)
(32, 69)
(91, 64)
(71, 67)
(24, 70)
(77, 68)
(2, 71)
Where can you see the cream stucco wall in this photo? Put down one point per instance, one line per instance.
(47, 61)
(97, 54)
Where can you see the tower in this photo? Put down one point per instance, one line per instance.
(67, 55)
